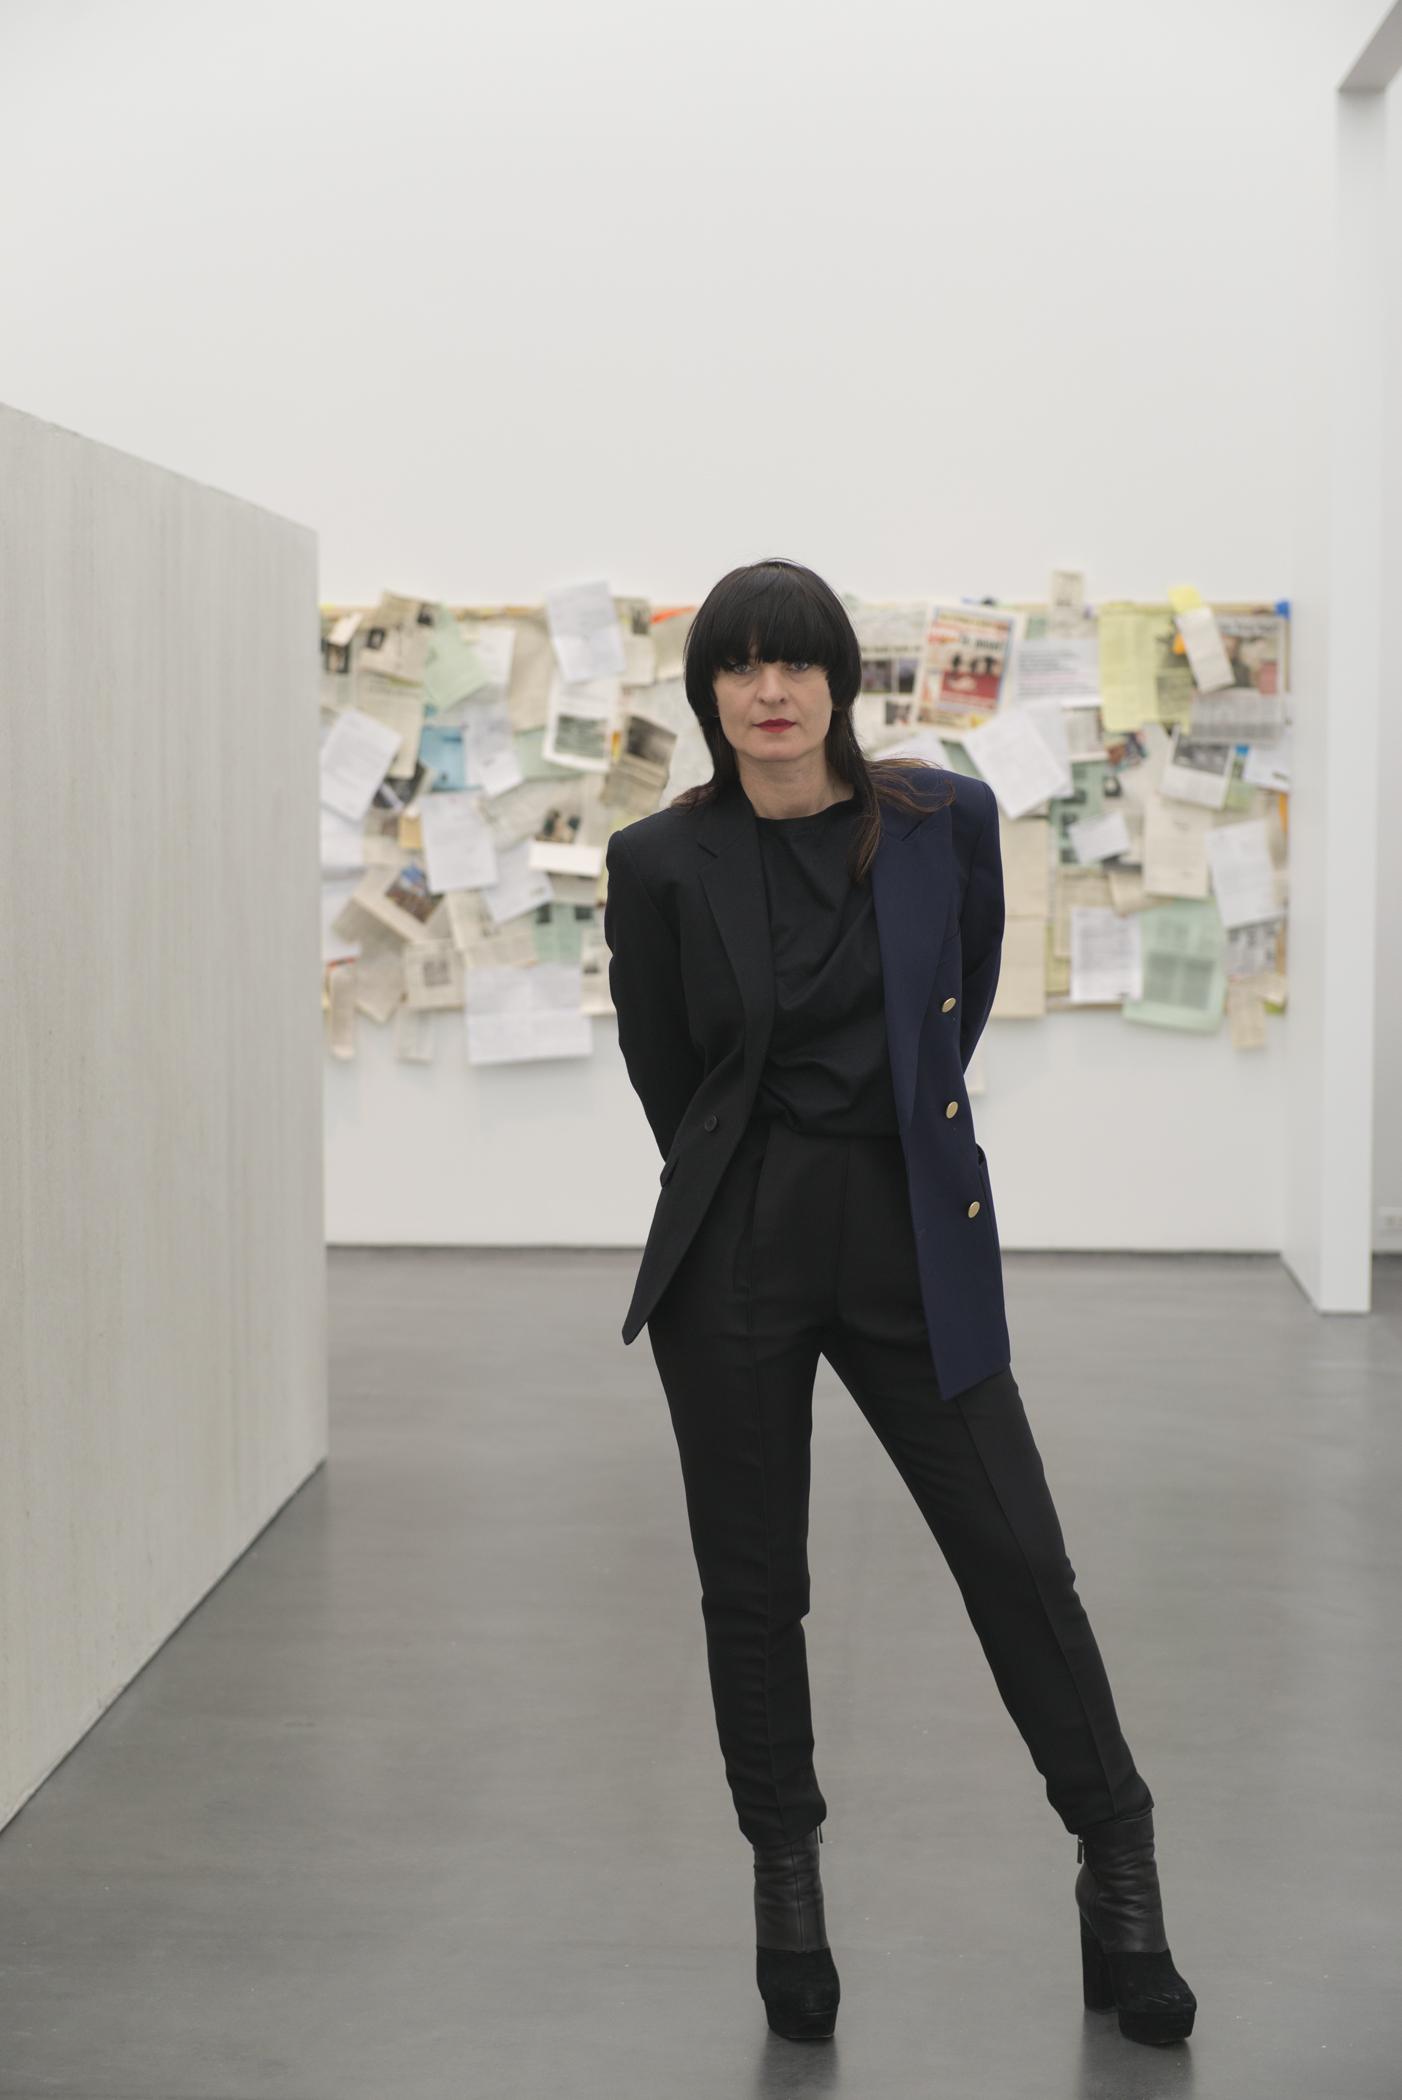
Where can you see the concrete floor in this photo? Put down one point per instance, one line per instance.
(425, 1798)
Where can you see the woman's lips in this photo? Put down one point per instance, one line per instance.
(774, 727)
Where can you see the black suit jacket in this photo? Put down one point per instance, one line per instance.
(692, 981)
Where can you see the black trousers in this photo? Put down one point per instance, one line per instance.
(807, 1249)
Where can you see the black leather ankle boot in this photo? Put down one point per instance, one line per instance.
(1125, 1958)
(794, 1967)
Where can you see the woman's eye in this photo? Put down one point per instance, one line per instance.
(736, 670)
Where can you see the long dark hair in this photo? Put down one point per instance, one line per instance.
(777, 611)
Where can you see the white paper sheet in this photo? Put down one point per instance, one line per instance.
(1175, 849)
(459, 850)
(1015, 754)
(1106, 961)
(342, 844)
(556, 858)
(490, 758)
(1097, 838)
(1243, 876)
(1057, 667)
(1268, 765)
(585, 630)
(516, 1015)
(354, 760)
(519, 887)
(1207, 659)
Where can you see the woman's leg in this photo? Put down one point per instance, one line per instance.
(737, 1367)
(974, 1469)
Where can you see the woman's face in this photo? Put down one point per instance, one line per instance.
(751, 695)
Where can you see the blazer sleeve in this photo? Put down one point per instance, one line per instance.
(981, 921)
(645, 985)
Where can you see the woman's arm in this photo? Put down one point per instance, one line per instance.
(645, 984)
(981, 922)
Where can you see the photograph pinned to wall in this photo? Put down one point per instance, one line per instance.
(397, 794)
(400, 899)
(637, 778)
(1255, 707)
(1257, 641)
(965, 661)
(891, 636)
(582, 721)
(1197, 771)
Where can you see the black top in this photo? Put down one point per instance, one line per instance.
(828, 1071)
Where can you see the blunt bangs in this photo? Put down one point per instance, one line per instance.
(776, 612)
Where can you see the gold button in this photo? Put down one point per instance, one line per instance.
(951, 1108)
(974, 1209)
(947, 1005)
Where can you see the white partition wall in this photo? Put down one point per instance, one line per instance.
(162, 1268)
(1343, 918)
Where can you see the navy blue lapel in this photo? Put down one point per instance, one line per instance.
(914, 882)
(913, 879)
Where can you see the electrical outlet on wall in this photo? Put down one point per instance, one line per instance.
(1390, 1218)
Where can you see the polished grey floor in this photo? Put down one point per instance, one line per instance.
(425, 1798)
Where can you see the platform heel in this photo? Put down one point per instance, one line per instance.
(1125, 1957)
(794, 1968)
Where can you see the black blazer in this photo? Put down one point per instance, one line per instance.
(692, 982)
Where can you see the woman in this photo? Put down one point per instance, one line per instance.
(803, 954)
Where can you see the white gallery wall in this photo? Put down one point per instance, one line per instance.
(162, 1263)
(933, 297)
